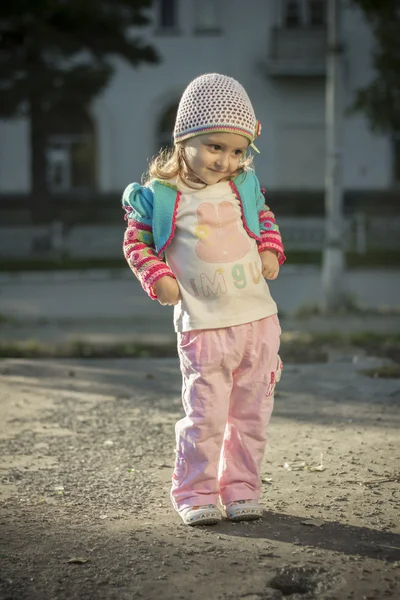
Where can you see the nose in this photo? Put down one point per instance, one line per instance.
(223, 161)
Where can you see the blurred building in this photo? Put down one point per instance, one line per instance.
(275, 48)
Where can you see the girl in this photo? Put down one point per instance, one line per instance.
(201, 238)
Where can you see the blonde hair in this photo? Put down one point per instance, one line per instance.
(170, 163)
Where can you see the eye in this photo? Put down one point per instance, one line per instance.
(215, 147)
(238, 152)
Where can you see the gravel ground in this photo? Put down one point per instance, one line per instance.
(87, 451)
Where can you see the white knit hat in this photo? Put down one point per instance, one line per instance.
(215, 103)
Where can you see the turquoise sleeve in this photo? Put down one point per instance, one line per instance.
(137, 201)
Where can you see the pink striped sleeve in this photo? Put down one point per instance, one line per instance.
(142, 258)
(270, 236)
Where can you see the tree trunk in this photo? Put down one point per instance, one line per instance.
(40, 198)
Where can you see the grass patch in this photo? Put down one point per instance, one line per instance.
(296, 347)
(83, 349)
(377, 258)
(304, 347)
(6, 319)
(383, 372)
(375, 344)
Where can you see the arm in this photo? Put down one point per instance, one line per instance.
(138, 246)
(270, 235)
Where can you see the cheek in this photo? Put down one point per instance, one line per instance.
(191, 158)
(189, 152)
(201, 159)
(194, 155)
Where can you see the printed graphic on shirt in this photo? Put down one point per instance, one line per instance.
(216, 263)
(208, 284)
(220, 240)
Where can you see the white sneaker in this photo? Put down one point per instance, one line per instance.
(208, 514)
(244, 510)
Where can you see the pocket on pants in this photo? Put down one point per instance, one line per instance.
(279, 369)
(199, 348)
(275, 319)
(275, 377)
(186, 339)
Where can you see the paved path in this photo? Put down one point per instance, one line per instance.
(87, 451)
(110, 306)
(109, 294)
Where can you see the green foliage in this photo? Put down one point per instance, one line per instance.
(63, 50)
(380, 100)
(55, 57)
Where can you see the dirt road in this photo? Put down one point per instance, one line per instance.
(87, 451)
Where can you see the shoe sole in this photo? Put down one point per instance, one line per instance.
(245, 517)
(247, 511)
(202, 517)
(205, 521)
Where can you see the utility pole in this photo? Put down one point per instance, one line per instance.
(333, 267)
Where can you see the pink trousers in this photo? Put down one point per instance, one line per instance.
(229, 377)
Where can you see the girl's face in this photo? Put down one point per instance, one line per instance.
(214, 156)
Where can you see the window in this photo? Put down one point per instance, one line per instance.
(70, 163)
(292, 14)
(166, 127)
(58, 171)
(168, 15)
(316, 12)
(303, 13)
(70, 153)
(207, 16)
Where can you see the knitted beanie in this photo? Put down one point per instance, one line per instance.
(215, 103)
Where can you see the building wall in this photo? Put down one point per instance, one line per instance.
(367, 157)
(291, 110)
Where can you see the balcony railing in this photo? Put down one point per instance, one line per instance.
(297, 52)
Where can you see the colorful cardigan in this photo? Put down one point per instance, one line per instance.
(151, 213)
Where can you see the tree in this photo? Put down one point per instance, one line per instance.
(380, 100)
(55, 57)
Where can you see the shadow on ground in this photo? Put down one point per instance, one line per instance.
(332, 535)
(132, 560)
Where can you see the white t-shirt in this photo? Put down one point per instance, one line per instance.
(216, 262)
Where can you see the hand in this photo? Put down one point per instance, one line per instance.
(167, 291)
(270, 264)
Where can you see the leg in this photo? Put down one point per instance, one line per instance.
(207, 385)
(251, 406)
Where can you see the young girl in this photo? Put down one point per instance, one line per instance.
(201, 238)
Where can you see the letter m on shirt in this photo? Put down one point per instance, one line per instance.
(215, 287)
